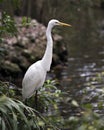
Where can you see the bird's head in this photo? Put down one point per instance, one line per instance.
(55, 22)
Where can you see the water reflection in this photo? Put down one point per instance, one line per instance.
(77, 77)
(86, 59)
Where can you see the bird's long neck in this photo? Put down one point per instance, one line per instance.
(47, 58)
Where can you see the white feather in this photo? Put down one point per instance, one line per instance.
(33, 79)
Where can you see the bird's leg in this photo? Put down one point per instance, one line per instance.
(36, 98)
(26, 103)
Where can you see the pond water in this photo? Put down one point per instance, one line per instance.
(85, 46)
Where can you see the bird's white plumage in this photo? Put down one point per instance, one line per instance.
(36, 73)
(33, 79)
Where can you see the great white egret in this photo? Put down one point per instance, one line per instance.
(35, 76)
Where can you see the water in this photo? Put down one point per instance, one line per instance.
(78, 79)
(85, 46)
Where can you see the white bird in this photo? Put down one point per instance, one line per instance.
(35, 76)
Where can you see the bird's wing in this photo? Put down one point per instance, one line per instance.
(33, 79)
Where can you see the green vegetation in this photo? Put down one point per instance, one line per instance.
(14, 114)
(7, 25)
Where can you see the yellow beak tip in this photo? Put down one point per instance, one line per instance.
(65, 24)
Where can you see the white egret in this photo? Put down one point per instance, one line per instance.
(36, 73)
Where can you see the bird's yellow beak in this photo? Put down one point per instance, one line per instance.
(64, 24)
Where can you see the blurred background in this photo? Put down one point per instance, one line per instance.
(80, 65)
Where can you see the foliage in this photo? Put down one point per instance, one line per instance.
(49, 94)
(16, 115)
(10, 90)
(21, 116)
(89, 120)
(26, 21)
(94, 92)
(7, 25)
(92, 104)
(49, 98)
(89, 110)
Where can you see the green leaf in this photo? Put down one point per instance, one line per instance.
(3, 124)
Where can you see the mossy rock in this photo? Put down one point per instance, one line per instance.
(10, 68)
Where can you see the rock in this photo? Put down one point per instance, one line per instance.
(26, 53)
(24, 64)
(8, 67)
(22, 41)
(18, 53)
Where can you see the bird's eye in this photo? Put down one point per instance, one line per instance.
(56, 22)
